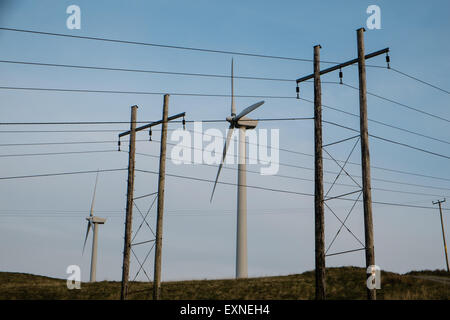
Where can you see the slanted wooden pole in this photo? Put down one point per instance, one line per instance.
(365, 159)
(318, 178)
(129, 207)
(159, 218)
(443, 230)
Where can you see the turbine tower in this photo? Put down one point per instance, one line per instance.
(94, 221)
(243, 123)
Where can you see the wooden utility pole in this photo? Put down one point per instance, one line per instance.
(365, 158)
(159, 219)
(129, 210)
(319, 221)
(318, 178)
(129, 207)
(443, 231)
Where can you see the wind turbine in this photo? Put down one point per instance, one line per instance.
(243, 123)
(94, 222)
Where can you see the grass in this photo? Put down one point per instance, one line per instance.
(345, 283)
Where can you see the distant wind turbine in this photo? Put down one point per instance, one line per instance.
(94, 221)
(243, 123)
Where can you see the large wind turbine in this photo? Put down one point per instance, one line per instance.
(243, 123)
(94, 221)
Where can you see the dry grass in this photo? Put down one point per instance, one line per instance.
(346, 283)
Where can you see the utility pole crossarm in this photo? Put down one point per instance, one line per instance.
(155, 123)
(343, 65)
(439, 202)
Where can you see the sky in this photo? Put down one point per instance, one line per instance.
(42, 219)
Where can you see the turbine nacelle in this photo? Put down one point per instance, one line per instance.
(96, 220)
(242, 122)
(247, 123)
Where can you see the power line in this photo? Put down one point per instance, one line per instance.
(61, 143)
(143, 92)
(378, 122)
(419, 80)
(329, 122)
(185, 177)
(120, 212)
(190, 74)
(274, 119)
(349, 162)
(237, 53)
(31, 215)
(192, 95)
(53, 153)
(64, 131)
(333, 172)
(392, 141)
(280, 149)
(299, 178)
(99, 130)
(410, 146)
(207, 75)
(124, 122)
(59, 174)
(162, 45)
(206, 95)
(401, 104)
(173, 144)
(283, 191)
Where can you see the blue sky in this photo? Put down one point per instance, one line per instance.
(42, 220)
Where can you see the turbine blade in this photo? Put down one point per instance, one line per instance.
(225, 149)
(233, 106)
(248, 110)
(93, 197)
(87, 234)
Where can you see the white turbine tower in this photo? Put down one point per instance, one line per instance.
(243, 123)
(94, 221)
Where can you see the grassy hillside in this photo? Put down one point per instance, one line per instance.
(342, 283)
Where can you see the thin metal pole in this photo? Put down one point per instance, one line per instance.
(365, 158)
(129, 207)
(318, 178)
(159, 219)
(241, 234)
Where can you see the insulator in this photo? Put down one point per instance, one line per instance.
(340, 76)
(388, 60)
(184, 123)
(118, 145)
(150, 134)
(297, 89)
